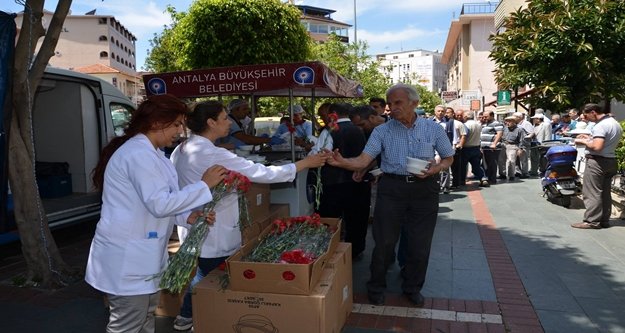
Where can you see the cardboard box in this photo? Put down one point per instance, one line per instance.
(298, 279)
(341, 262)
(323, 311)
(169, 304)
(258, 197)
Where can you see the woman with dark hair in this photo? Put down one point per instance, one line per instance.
(141, 201)
(209, 122)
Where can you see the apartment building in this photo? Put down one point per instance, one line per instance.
(466, 53)
(319, 24)
(90, 41)
(416, 66)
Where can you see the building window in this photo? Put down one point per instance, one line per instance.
(104, 54)
(117, 58)
(323, 29)
(394, 57)
(112, 40)
(102, 38)
(113, 23)
(102, 20)
(411, 55)
(113, 55)
(117, 42)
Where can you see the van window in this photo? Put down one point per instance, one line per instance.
(121, 116)
(266, 125)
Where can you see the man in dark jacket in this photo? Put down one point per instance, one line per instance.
(341, 196)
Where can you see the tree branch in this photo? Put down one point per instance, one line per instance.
(46, 51)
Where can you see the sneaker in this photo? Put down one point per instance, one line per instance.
(484, 183)
(183, 323)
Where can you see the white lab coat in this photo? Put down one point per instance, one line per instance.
(197, 154)
(141, 195)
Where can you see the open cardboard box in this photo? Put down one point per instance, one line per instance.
(169, 303)
(296, 279)
(325, 310)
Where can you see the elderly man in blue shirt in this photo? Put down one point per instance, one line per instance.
(405, 202)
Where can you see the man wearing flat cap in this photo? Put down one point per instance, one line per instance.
(238, 110)
(300, 127)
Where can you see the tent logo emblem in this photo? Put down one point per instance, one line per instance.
(304, 75)
(157, 86)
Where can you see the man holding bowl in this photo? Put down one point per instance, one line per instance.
(405, 201)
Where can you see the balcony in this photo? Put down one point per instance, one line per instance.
(479, 8)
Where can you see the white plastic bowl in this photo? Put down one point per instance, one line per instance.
(415, 165)
(242, 153)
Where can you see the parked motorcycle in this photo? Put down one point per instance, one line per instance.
(561, 181)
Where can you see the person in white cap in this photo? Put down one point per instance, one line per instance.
(512, 139)
(238, 110)
(542, 132)
(528, 128)
(300, 127)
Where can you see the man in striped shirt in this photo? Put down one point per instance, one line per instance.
(491, 144)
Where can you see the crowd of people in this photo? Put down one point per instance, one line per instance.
(144, 194)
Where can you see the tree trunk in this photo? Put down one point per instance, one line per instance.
(45, 267)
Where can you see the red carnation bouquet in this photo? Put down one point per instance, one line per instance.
(293, 240)
(177, 274)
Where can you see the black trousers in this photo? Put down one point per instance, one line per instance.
(491, 157)
(349, 201)
(458, 177)
(409, 208)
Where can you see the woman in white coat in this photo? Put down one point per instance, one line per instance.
(209, 122)
(141, 201)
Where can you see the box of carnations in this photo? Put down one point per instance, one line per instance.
(287, 257)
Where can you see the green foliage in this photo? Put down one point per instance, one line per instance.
(218, 33)
(571, 51)
(620, 150)
(428, 99)
(351, 61)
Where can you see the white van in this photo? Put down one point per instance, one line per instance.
(74, 116)
(266, 125)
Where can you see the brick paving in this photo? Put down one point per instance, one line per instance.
(510, 310)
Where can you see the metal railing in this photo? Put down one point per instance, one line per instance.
(479, 8)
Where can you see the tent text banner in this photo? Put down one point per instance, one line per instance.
(304, 79)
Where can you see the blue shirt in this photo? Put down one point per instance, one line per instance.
(394, 142)
(303, 130)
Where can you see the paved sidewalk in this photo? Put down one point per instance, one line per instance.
(503, 260)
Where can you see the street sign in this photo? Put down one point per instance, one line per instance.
(503, 97)
(469, 95)
(476, 105)
(449, 96)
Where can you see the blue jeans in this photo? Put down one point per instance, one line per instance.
(204, 266)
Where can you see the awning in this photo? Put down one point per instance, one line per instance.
(304, 79)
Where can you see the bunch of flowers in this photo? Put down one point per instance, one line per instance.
(294, 240)
(177, 274)
(331, 126)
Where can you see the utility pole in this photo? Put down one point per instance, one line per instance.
(355, 25)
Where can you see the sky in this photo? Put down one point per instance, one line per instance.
(386, 26)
